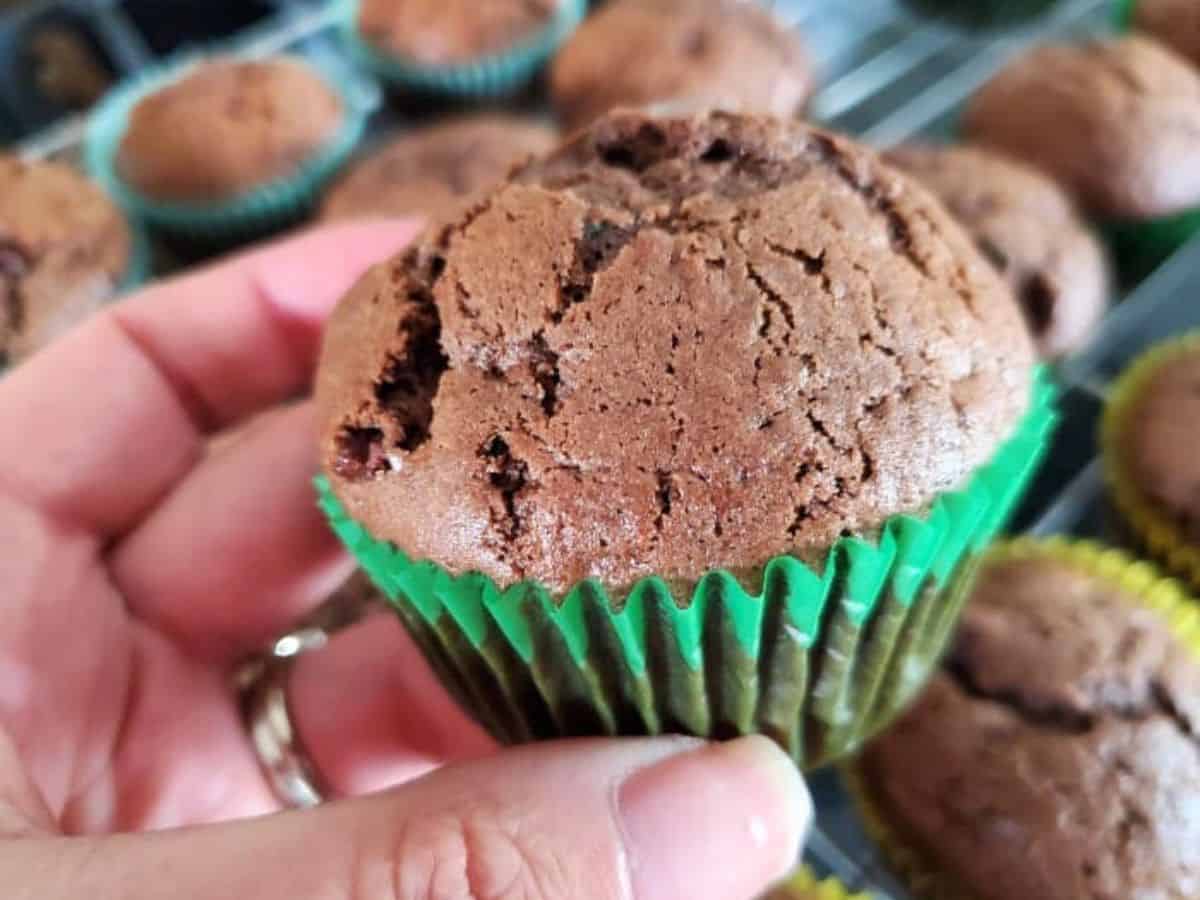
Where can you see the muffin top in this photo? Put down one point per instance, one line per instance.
(435, 171)
(1175, 23)
(671, 345)
(444, 32)
(227, 127)
(713, 53)
(64, 248)
(1158, 443)
(1056, 756)
(1025, 224)
(1115, 122)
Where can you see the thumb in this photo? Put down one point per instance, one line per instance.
(654, 819)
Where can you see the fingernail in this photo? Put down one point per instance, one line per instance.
(727, 820)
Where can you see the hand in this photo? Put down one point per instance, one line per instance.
(137, 567)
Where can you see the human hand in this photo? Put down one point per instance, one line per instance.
(136, 570)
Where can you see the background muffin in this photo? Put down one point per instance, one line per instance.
(710, 53)
(1115, 122)
(675, 349)
(1055, 756)
(65, 249)
(1176, 23)
(1025, 225)
(227, 127)
(434, 171)
(1150, 434)
(447, 32)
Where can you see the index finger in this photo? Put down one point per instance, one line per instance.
(101, 424)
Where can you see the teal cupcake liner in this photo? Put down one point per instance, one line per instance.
(818, 660)
(252, 213)
(141, 260)
(1141, 247)
(490, 76)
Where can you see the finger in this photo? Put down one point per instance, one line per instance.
(402, 722)
(239, 550)
(99, 425)
(599, 820)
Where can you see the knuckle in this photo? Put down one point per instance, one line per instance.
(480, 857)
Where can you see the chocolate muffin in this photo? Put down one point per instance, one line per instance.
(1056, 755)
(1025, 224)
(1115, 122)
(434, 171)
(671, 346)
(706, 53)
(449, 32)
(1157, 441)
(64, 250)
(226, 127)
(1175, 23)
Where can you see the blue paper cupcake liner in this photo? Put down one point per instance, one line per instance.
(490, 76)
(141, 260)
(251, 213)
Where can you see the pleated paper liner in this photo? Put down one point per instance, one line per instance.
(1142, 582)
(818, 661)
(490, 76)
(251, 213)
(1150, 527)
(1141, 247)
(804, 885)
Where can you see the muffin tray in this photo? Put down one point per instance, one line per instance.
(887, 76)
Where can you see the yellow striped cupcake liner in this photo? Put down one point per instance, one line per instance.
(1151, 527)
(804, 885)
(1141, 582)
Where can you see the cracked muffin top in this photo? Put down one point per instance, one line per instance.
(227, 127)
(64, 249)
(434, 171)
(1057, 756)
(672, 345)
(1115, 122)
(719, 53)
(1026, 226)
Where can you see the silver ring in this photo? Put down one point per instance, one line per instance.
(281, 754)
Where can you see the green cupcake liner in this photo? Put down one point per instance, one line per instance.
(982, 13)
(1141, 247)
(491, 76)
(252, 213)
(818, 661)
(1123, 11)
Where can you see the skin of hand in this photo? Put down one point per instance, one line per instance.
(137, 567)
